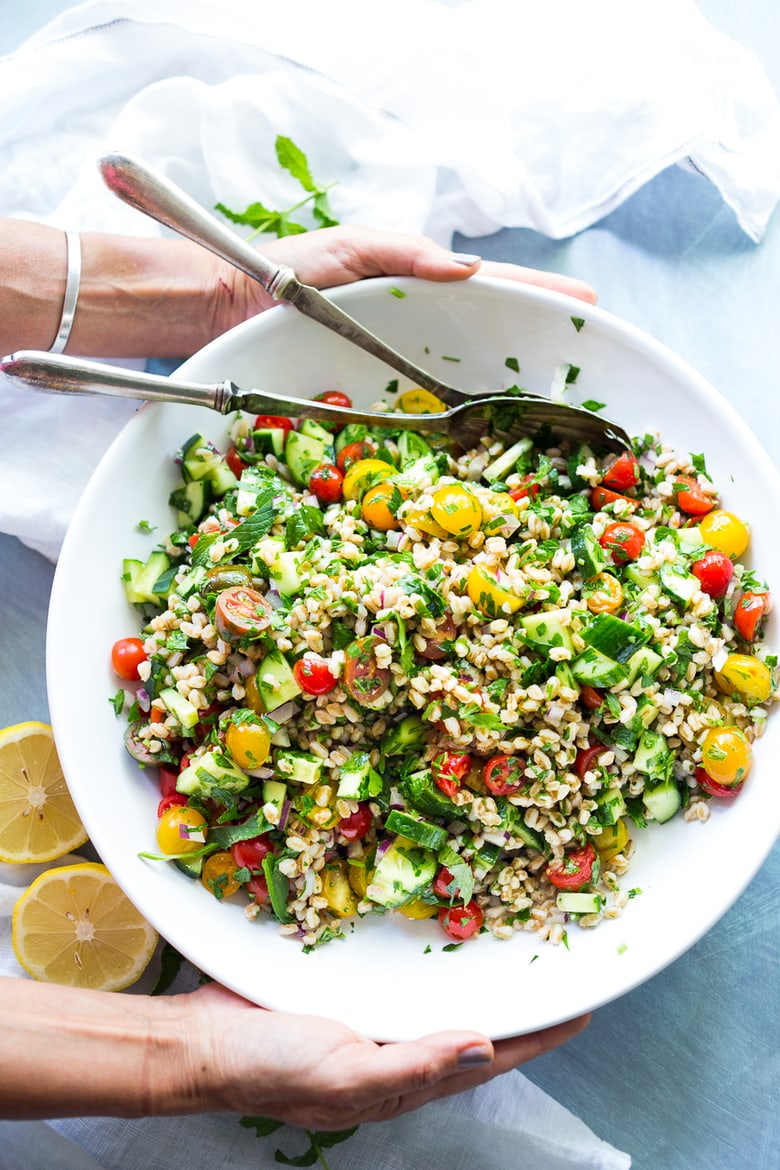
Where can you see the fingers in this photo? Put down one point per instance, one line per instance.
(552, 280)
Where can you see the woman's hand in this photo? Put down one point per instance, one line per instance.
(341, 255)
(320, 1074)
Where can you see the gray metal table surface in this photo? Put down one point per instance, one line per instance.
(682, 1072)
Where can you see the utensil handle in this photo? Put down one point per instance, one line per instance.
(67, 375)
(148, 191)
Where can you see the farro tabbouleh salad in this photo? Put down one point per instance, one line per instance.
(379, 674)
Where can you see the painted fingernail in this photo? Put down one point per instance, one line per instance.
(475, 1056)
(465, 259)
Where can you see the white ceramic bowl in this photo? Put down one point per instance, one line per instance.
(383, 980)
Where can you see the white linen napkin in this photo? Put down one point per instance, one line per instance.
(466, 118)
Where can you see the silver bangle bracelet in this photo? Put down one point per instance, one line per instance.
(72, 283)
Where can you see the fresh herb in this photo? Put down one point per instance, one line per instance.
(427, 950)
(280, 223)
(145, 526)
(578, 322)
(572, 374)
(512, 363)
(452, 946)
(593, 406)
(396, 292)
(433, 602)
(170, 965)
(472, 714)
(245, 534)
(118, 702)
(318, 1141)
(278, 891)
(701, 466)
(305, 521)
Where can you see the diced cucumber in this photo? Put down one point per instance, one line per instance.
(485, 858)
(303, 454)
(351, 433)
(192, 581)
(285, 568)
(269, 441)
(192, 866)
(421, 471)
(190, 501)
(411, 448)
(578, 457)
(403, 871)
(181, 708)
(275, 681)
(249, 485)
(201, 460)
(615, 638)
(424, 796)
(678, 583)
(588, 553)
(639, 577)
(578, 902)
(504, 465)
(300, 767)
(594, 669)
(547, 629)
(409, 733)
(222, 479)
(512, 822)
(211, 770)
(140, 581)
(646, 713)
(358, 780)
(415, 828)
(643, 664)
(565, 676)
(662, 801)
(611, 806)
(689, 539)
(275, 793)
(653, 755)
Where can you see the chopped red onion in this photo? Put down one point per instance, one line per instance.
(246, 667)
(142, 699)
(284, 814)
(273, 598)
(285, 712)
(382, 848)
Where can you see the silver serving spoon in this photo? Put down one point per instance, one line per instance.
(143, 188)
(506, 417)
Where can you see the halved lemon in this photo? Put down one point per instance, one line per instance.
(38, 819)
(74, 925)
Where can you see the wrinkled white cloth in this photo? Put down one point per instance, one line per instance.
(506, 1124)
(429, 117)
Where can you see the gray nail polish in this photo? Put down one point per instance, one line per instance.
(474, 1057)
(465, 259)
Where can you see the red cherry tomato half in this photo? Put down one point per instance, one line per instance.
(504, 774)
(353, 453)
(461, 922)
(587, 757)
(527, 488)
(335, 398)
(712, 788)
(623, 473)
(623, 540)
(257, 886)
(576, 869)
(241, 613)
(313, 675)
(601, 496)
(327, 483)
(449, 770)
(167, 779)
(235, 462)
(193, 539)
(749, 612)
(172, 800)
(591, 697)
(126, 656)
(714, 571)
(444, 886)
(446, 631)
(364, 680)
(249, 854)
(356, 825)
(273, 422)
(689, 497)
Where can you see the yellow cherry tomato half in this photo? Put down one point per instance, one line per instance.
(218, 875)
(746, 676)
(359, 875)
(181, 829)
(456, 510)
(336, 889)
(381, 503)
(249, 742)
(363, 474)
(726, 755)
(422, 520)
(725, 532)
(420, 402)
(612, 840)
(604, 593)
(489, 596)
(418, 909)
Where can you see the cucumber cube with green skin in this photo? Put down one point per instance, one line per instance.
(269, 441)
(424, 796)
(643, 664)
(611, 806)
(662, 801)
(578, 902)
(300, 767)
(409, 733)
(351, 433)
(588, 554)
(303, 454)
(210, 771)
(547, 629)
(314, 430)
(614, 637)
(504, 465)
(641, 578)
(275, 793)
(416, 829)
(190, 501)
(358, 780)
(678, 583)
(181, 708)
(594, 669)
(653, 755)
(402, 873)
(275, 681)
(140, 579)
